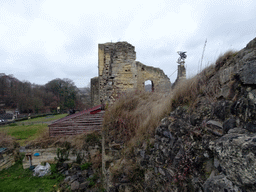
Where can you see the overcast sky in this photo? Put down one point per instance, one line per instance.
(41, 40)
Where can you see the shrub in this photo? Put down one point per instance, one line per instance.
(86, 166)
(79, 157)
(54, 168)
(13, 124)
(62, 155)
(92, 138)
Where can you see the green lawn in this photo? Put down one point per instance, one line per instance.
(18, 179)
(28, 132)
(24, 133)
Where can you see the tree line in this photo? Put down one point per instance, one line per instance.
(32, 98)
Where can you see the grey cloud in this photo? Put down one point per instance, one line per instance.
(80, 45)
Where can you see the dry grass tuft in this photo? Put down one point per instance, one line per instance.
(135, 115)
(96, 160)
(7, 141)
(224, 58)
(78, 142)
(188, 91)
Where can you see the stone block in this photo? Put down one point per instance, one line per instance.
(247, 74)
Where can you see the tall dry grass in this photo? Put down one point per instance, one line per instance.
(7, 141)
(188, 91)
(224, 58)
(79, 142)
(135, 115)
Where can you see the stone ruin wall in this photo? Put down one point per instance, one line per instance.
(119, 72)
(95, 97)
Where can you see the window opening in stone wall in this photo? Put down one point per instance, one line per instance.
(149, 86)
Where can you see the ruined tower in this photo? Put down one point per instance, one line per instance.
(119, 72)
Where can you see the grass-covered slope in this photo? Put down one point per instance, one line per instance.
(148, 152)
(18, 179)
(28, 130)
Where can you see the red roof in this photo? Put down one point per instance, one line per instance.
(93, 110)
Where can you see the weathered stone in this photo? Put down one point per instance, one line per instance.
(164, 122)
(222, 109)
(215, 124)
(75, 185)
(216, 163)
(215, 127)
(95, 97)
(167, 134)
(156, 146)
(83, 186)
(161, 171)
(67, 179)
(229, 124)
(66, 172)
(248, 72)
(148, 175)
(165, 140)
(251, 44)
(225, 91)
(251, 127)
(225, 74)
(236, 154)
(195, 119)
(6, 160)
(252, 96)
(220, 183)
(142, 153)
(73, 178)
(237, 130)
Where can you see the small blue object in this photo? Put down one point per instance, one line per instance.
(36, 154)
(31, 167)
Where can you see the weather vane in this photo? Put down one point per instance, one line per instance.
(182, 57)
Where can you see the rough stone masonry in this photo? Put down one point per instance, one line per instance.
(119, 72)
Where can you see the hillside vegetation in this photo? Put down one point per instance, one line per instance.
(135, 115)
(32, 98)
(190, 139)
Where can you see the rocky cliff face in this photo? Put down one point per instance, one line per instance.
(209, 146)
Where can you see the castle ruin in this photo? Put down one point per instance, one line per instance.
(119, 72)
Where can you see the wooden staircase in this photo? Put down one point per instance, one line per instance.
(85, 121)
